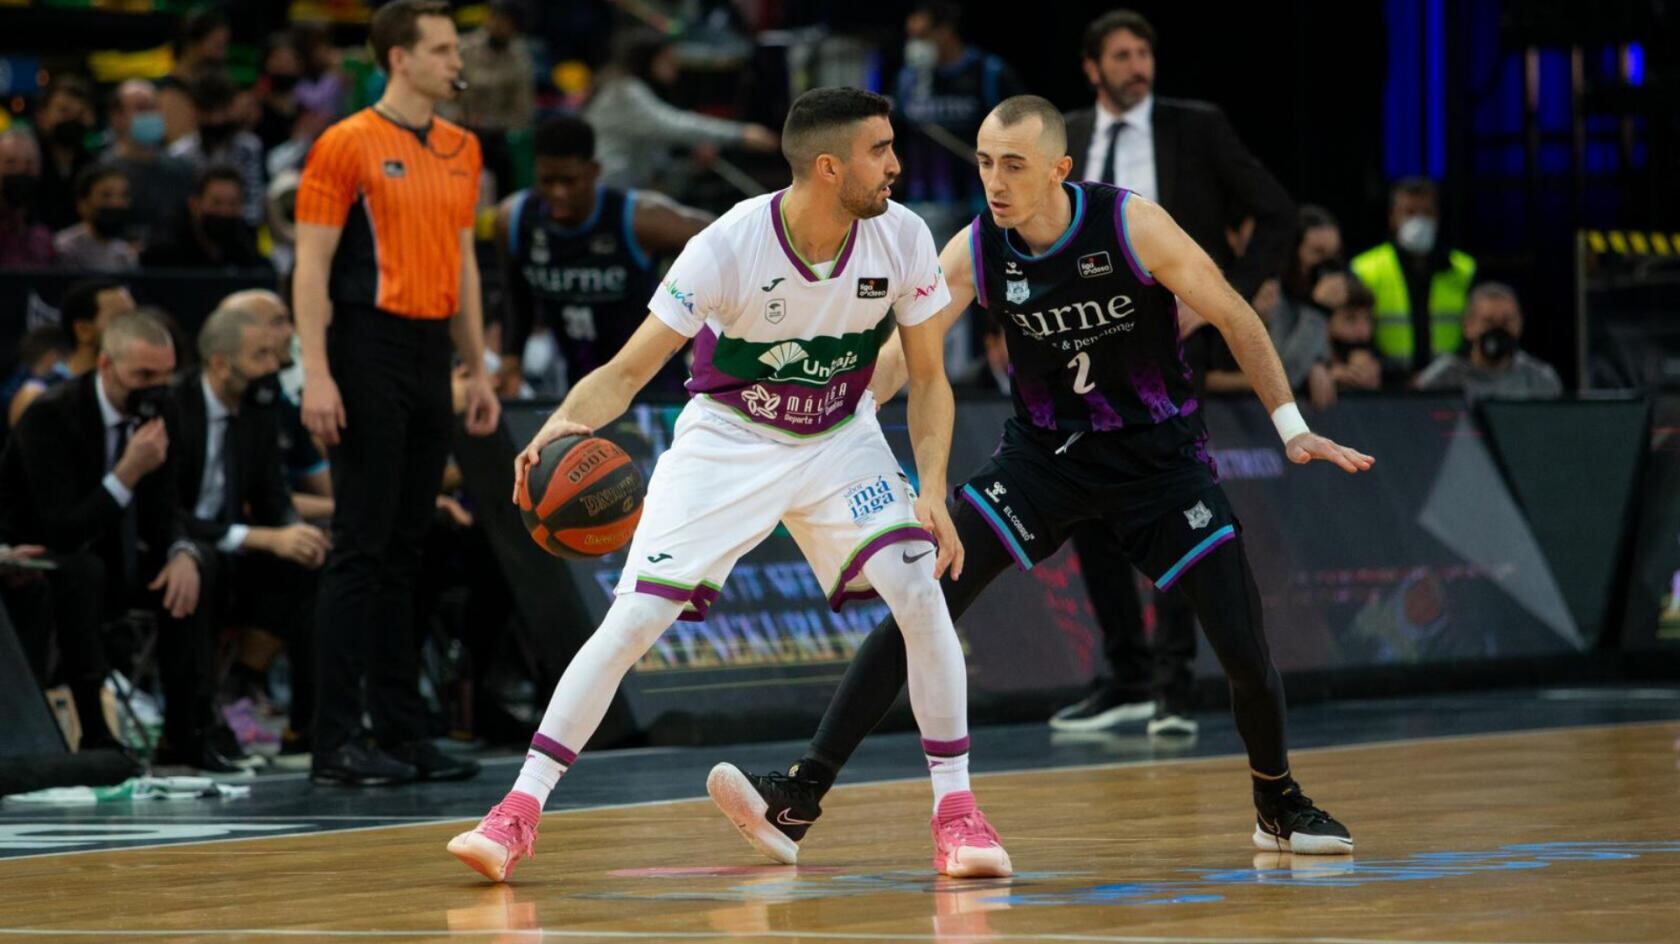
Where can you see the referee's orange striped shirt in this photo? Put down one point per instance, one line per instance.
(402, 204)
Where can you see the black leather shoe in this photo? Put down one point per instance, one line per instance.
(204, 758)
(433, 763)
(360, 765)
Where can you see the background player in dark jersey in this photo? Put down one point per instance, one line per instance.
(578, 256)
(1082, 277)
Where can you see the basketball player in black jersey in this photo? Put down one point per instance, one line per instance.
(1083, 278)
(578, 257)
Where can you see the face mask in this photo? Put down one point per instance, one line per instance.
(262, 392)
(1497, 344)
(18, 189)
(111, 222)
(224, 229)
(146, 129)
(1343, 350)
(1330, 266)
(1416, 234)
(920, 54)
(70, 134)
(217, 133)
(282, 83)
(145, 403)
(499, 43)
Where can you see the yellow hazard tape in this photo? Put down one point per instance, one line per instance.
(1632, 242)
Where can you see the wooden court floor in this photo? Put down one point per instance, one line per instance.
(1561, 836)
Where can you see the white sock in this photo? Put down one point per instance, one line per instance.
(950, 775)
(543, 768)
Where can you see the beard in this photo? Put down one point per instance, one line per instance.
(1126, 94)
(864, 202)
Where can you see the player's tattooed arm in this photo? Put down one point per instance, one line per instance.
(957, 262)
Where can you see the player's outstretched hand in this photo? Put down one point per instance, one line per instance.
(555, 428)
(1309, 446)
(931, 512)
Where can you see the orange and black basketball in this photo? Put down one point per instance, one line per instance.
(583, 498)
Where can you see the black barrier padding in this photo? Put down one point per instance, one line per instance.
(1652, 616)
(26, 774)
(28, 727)
(1574, 468)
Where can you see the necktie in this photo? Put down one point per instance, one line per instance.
(1108, 173)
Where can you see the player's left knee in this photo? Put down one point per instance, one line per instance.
(905, 581)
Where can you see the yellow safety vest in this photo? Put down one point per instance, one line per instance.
(1380, 270)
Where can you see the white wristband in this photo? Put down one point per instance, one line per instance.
(1287, 419)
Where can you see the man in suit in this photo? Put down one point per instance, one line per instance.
(260, 559)
(1185, 156)
(89, 474)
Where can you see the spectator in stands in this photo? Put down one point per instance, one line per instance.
(945, 88)
(1420, 285)
(323, 88)
(260, 560)
(211, 234)
(64, 120)
(158, 183)
(99, 243)
(219, 139)
(87, 309)
(1494, 363)
(277, 98)
(40, 364)
(175, 104)
(89, 474)
(636, 130)
(1317, 274)
(496, 60)
(24, 243)
(1353, 358)
(201, 43)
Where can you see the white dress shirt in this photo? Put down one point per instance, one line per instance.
(212, 484)
(1134, 165)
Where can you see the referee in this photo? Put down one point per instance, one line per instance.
(386, 283)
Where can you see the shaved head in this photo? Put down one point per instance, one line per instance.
(1052, 128)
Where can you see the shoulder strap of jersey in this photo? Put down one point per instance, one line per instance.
(629, 227)
(516, 220)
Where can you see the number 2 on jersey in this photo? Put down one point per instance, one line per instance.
(1082, 380)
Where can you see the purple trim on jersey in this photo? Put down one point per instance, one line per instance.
(552, 749)
(1041, 408)
(1151, 388)
(1203, 457)
(1102, 412)
(979, 263)
(805, 271)
(704, 374)
(1124, 232)
(778, 395)
(955, 748)
(1190, 406)
(908, 532)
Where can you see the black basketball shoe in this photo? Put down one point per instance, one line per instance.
(772, 811)
(1289, 822)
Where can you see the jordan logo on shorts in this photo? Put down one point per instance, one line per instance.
(1199, 516)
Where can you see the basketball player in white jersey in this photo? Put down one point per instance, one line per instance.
(787, 298)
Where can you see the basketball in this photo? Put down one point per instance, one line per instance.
(583, 498)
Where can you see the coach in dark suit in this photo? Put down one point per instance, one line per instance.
(260, 559)
(1184, 156)
(89, 473)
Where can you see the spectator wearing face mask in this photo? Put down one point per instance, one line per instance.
(1493, 364)
(158, 184)
(211, 234)
(1353, 358)
(24, 242)
(64, 120)
(99, 243)
(1420, 285)
(277, 101)
(219, 139)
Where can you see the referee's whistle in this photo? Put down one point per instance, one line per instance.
(459, 85)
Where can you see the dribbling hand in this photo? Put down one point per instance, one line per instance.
(555, 428)
(1309, 446)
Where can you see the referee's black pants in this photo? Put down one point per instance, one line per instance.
(393, 377)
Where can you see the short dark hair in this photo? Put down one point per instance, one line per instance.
(1018, 108)
(1097, 33)
(941, 13)
(635, 49)
(1414, 187)
(1359, 296)
(90, 176)
(72, 85)
(81, 301)
(1313, 216)
(397, 26)
(210, 90)
(40, 342)
(215, 172)
(816, 116)
(198, 26)
(565, 136)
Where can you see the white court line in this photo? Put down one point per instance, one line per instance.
(540, 934)
(1070, 768)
